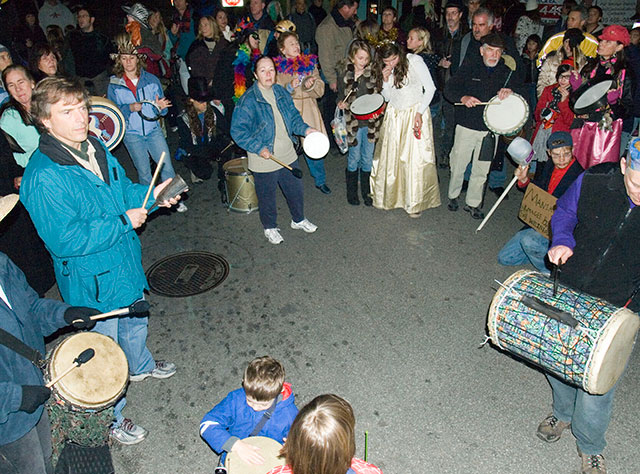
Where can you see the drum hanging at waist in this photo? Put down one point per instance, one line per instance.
(270, 451)
(241, 188)
(368, 106)
(94, 385)
(506, 117)
(591, 356)
(106, 122)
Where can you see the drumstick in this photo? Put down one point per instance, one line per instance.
(294, 171)
(347, 96)
(495, 206)
(554, 274)
(140, 306)
(481, 103)
(85, 356)
(227, 147)
(153, 180)
(366, 445)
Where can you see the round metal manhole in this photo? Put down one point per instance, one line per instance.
(187, 274)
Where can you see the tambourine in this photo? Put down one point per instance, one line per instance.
(150, 111)
(106, 122)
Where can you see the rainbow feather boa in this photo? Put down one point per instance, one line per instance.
(244, 59)
(301, 65)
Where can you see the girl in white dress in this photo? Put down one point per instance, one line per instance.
(404, 172)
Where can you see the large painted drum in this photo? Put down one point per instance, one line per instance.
(270, 451)
(106, 122)
(94, 385)
(241, 189)
(591, 356)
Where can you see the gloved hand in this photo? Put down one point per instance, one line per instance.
(613, 96)
(83, 313)
(33, 396)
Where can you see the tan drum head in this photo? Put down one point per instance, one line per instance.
(95, 384)
(269, 449)
(237, 166)
(508, 116)
(612, 351)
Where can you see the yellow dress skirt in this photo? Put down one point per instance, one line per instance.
(404, 172)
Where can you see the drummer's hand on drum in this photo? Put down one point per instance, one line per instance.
(470, 101)
(135, 107)
(80, 317)
(342, 105)
(310, 130)
(559, 254)
(521, 173)
(265, 153)
(504, 93)
(137, 216)
(248, 453)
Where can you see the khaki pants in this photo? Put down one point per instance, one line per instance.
(466, 147)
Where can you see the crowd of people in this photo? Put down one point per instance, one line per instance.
(255, 82)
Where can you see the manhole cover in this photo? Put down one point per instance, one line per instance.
(187, 274)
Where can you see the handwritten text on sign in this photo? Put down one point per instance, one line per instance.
(537, 208)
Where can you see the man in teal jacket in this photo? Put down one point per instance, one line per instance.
(86, 211)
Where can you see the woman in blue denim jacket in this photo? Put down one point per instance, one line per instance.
(264, 123)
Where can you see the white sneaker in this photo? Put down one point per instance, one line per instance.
(305, 225)
(182, 207)
(128, 433)
(273, 235)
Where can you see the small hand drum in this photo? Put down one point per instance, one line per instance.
(270, 451)
(506, 117)
(316, 145)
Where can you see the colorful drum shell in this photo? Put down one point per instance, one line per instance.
(368, 106)
(241, 188)
(106, 122)
(593, 362)
(506, 117)
(94, 385)
(270, 451)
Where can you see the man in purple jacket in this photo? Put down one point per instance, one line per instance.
(594, 234)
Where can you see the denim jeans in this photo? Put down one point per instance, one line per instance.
(527, 246)
(589, 414)
(361, 155)
(266, 186)
(30, 454)
(141, 146)
(131, 334)
(316, 170)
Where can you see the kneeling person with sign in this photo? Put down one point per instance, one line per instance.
(528, 245)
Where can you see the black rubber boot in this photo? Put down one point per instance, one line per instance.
(365, 188)
(352, 187)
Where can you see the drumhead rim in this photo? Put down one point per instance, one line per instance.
(362, 99)
(518, 126)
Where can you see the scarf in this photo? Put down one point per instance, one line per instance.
(241, 66)
(301, 65)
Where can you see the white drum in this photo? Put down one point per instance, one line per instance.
(508, 116)
(316, 145)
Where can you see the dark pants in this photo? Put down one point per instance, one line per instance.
(266, 186)
(449, 117)
(30, 454)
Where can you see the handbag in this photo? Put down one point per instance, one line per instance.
(488, 147)
(339, 129)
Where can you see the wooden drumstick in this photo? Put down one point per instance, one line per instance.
(153, 180)
(480, 103)
(140, 306)
(347, 96)
(85, 356)
(294, 171)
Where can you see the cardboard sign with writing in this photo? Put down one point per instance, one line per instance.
(537, 208)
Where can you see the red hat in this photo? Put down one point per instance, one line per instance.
(569, 62)
(616, 33)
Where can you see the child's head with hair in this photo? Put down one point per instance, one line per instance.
(262, 381)
(359, 53)
(419, 40)
(322, 437)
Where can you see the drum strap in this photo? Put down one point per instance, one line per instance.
(265, 417)
(20, 348)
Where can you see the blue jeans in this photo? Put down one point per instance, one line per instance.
(527, 246)
(316, 170)
(131, 334)
(141, 146)
(361, 155)
(266, 186)
(30, 454)
(589, 414)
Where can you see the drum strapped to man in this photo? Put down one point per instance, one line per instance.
(506, 117)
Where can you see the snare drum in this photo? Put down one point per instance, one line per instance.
(369, 106)
(590, 96)
(270, 451)
(506, 117)
(592, 356)
(96, 384)
(106, 122)
(241, 189)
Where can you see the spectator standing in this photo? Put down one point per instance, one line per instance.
(317, 10)
(390, 29)
(222, 20)
(90, 50)
(571, 41)
(44, 62)
(593, 24)
(182, 34)
(27, 34)
(53, 12)
(5, 61)
(259, 17)
(305, 27)
(204, 53)
(528, 24)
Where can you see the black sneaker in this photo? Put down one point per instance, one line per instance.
(453, 205)
(475, 212)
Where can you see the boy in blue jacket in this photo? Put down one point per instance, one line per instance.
(235, 417)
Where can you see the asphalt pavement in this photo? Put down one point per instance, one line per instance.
(386, 311)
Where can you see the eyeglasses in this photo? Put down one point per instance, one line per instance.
(562, 154)
(565, 76)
